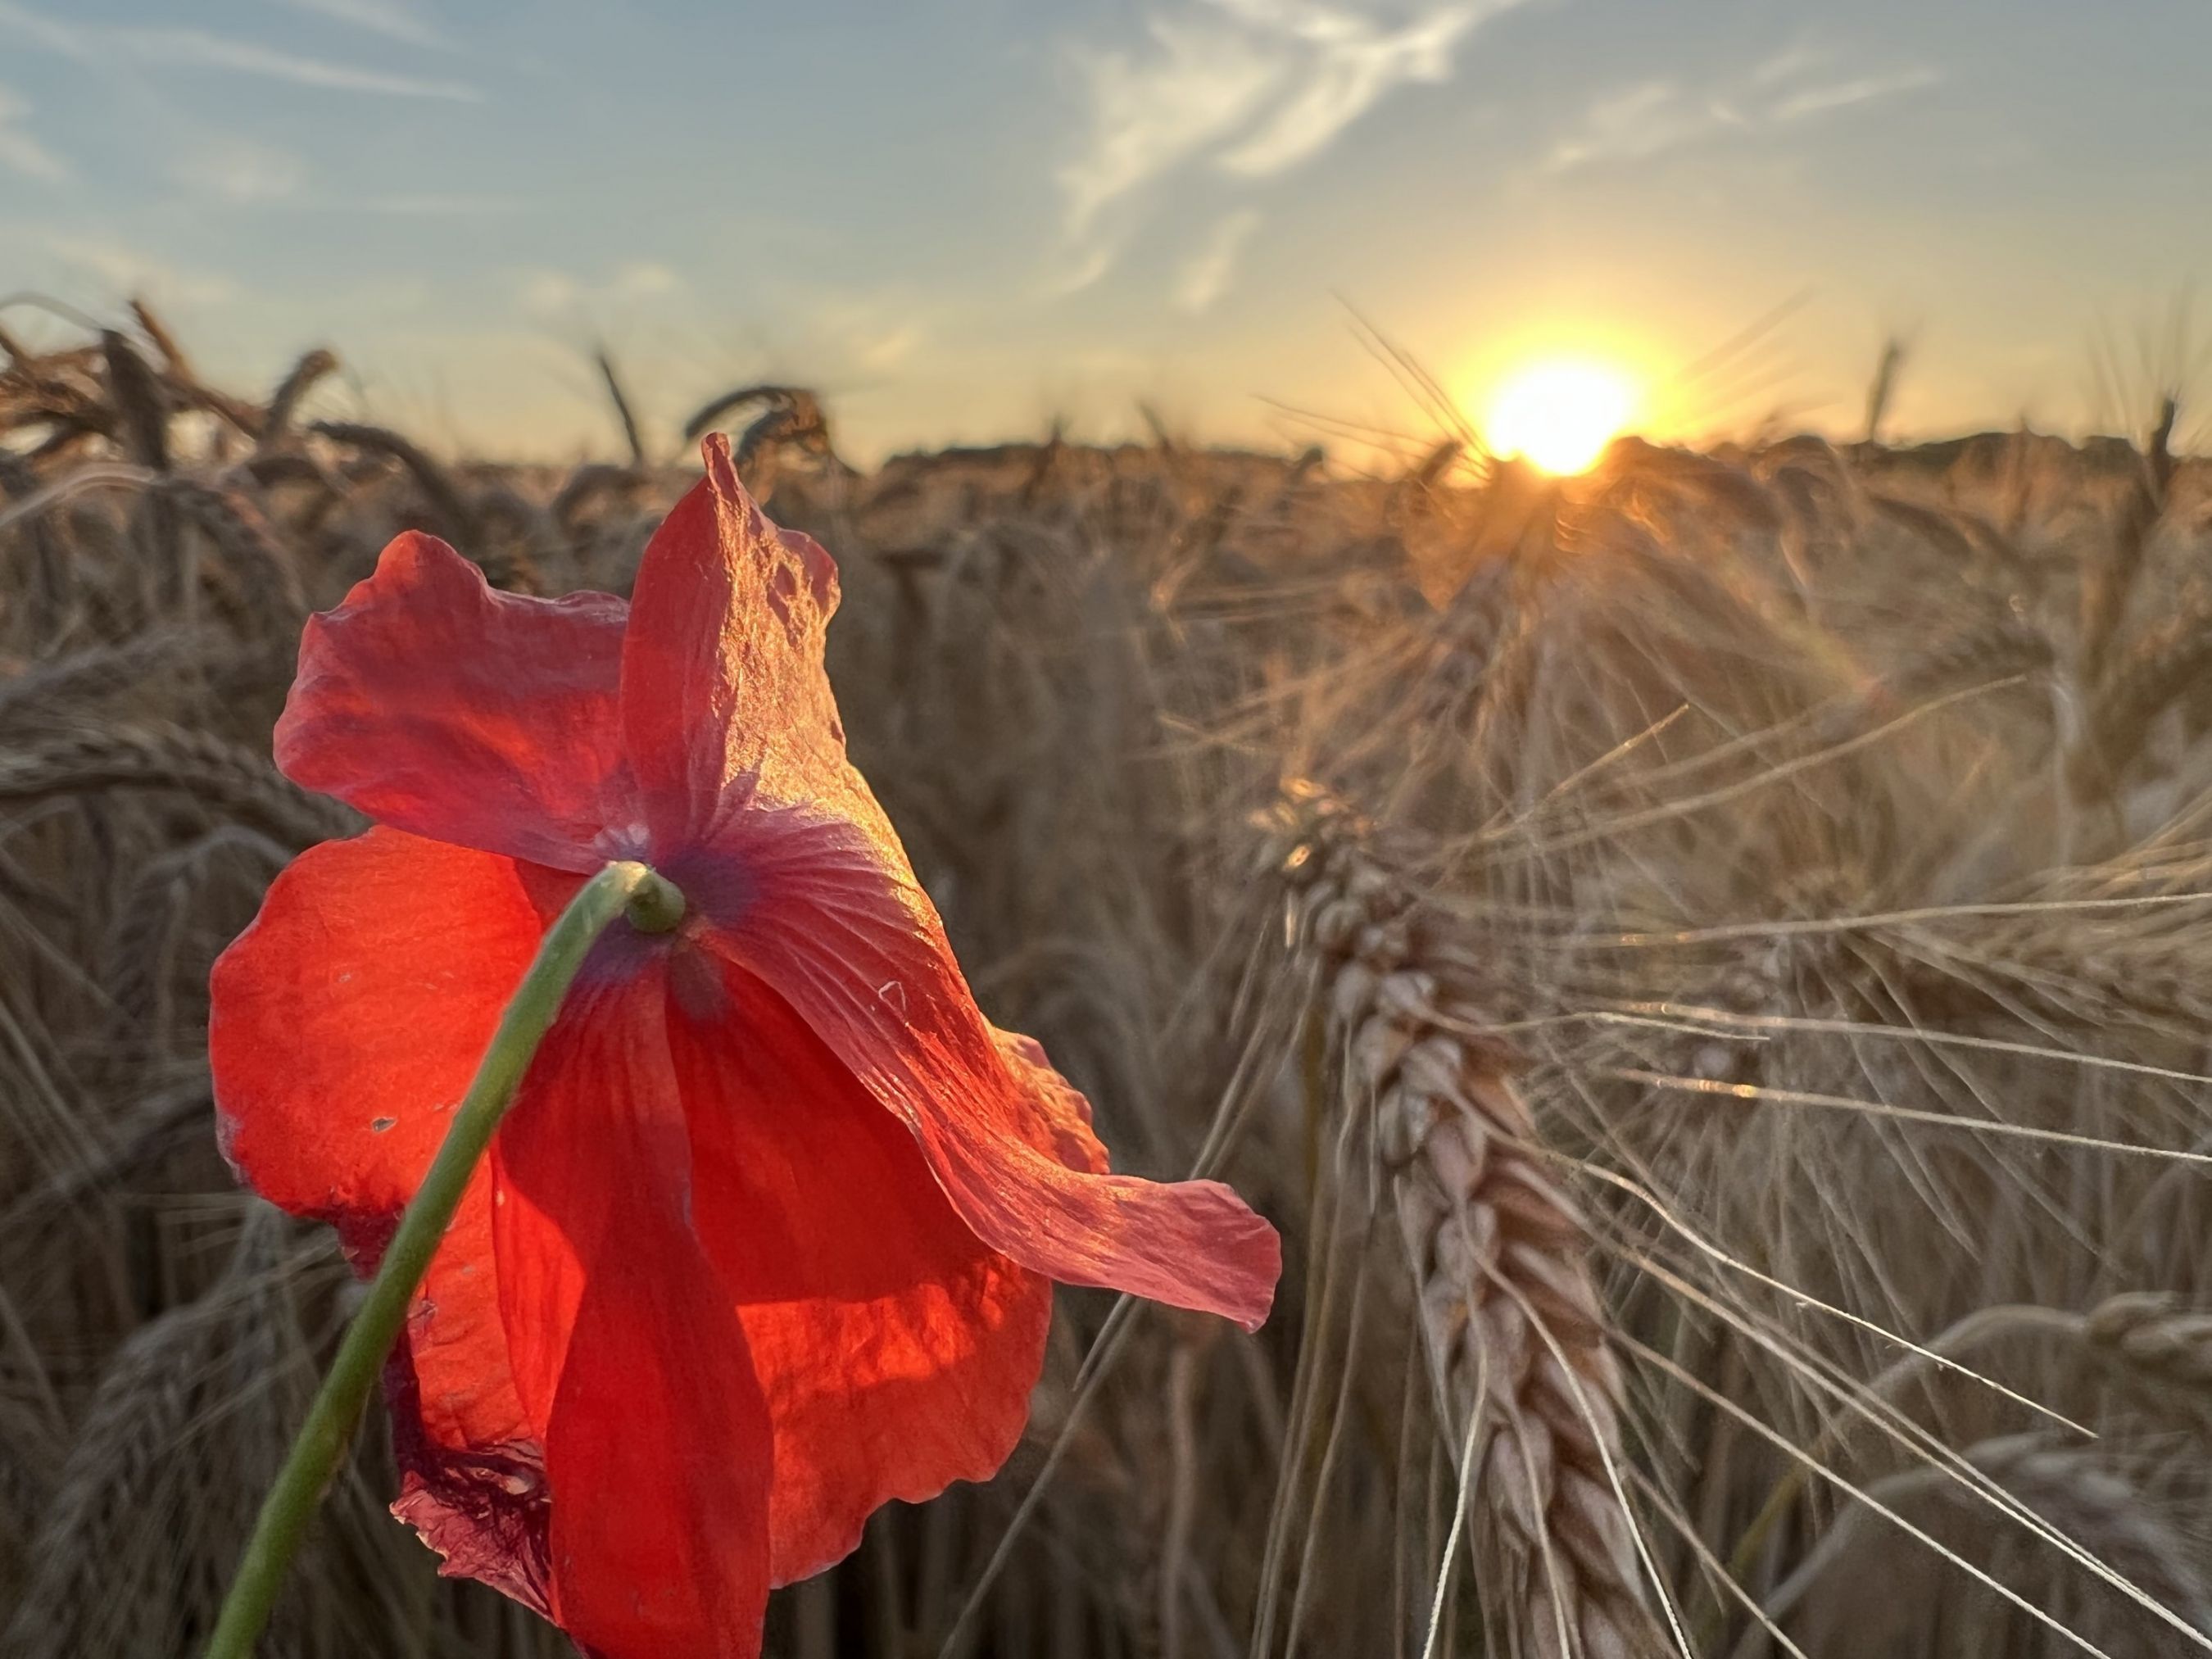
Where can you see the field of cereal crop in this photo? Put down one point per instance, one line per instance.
(1706, 964)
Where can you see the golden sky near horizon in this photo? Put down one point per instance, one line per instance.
(963, 220)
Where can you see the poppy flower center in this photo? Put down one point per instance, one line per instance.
(657, 905)
(717, 885)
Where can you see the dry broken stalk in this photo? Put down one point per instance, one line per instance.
(1530, 1396)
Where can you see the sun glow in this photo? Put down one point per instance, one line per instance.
(1559, 415)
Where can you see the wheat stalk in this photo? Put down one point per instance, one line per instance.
(2073, 1489)
(263, 565)
(1529, 1392)
(224, 775)
(440, 493)
(89, 1557)
(284, 401)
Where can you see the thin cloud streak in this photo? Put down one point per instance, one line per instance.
(1207, 277)
(1656, 117)
(195, 48)
(1820, 100)
(124, 269)
(384, 17)
(434, 206)
(1642, 122)
(56, 36)
(234, 170)
(553, 295)
(192, 48)
(1789, 64)
(19, 152)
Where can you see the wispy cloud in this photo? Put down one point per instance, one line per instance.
(1201, 84)
(1654, 117)
(194, 48)
(435, 204)
(1844, 94)
(1642, 121)
(21, 153)
(1790, 63)
(883, 349)
(198, 49)
(124, 269)
(546, 294)
(67, 39)
(553, 295)
(388, 18)
(234, 170)
(1251, 88)
(870, 331)
(1352, 65)
(1206, 277)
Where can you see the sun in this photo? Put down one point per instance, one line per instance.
(1559, 415)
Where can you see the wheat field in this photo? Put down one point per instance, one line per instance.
(1706, 964)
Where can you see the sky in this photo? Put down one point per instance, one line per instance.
(961, 220)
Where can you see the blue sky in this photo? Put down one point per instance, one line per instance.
(959, 219)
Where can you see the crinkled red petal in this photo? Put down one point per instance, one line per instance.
(627, 1355)
(344, 1025)
(1055, 1117)
(897, 1351)
(830, 916)
(725, 701)
(436, 705)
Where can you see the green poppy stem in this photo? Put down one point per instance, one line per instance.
(653, 906)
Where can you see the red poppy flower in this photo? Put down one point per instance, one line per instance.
(768, 1238)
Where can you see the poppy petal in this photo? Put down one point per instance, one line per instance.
(471, 1473)
(897, 1351)
(628, 1358)
(346, 1022)
(828, 913)
(433, 704)
(1057, 1117)
(724, 700)
(344, 1025)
